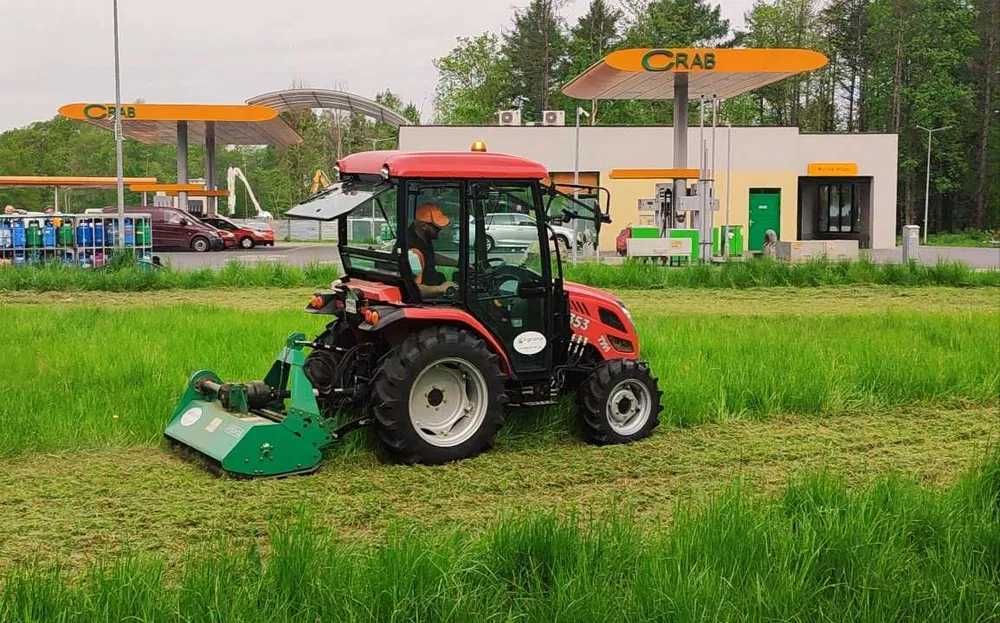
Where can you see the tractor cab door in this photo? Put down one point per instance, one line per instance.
(508, 283)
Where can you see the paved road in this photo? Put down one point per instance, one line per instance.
(975, 257)
(300, 254)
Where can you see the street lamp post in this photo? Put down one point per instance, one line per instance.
(927, 184)
(576, 175)
(119, 169)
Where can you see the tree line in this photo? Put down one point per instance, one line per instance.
(894, 65)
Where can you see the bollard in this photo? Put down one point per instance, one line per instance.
(911, 243)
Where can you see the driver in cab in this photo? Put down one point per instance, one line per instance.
(428, 221)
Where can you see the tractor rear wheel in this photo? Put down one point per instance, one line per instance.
(437, 397)
(619, 403)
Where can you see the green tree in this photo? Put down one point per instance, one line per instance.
(535, 47)
(473, 81)
(675, 23)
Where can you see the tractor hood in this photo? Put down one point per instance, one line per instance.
(578, 291)
(335, 201)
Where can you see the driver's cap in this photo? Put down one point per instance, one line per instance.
(431, 213)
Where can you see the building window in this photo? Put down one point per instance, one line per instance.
(838, 209)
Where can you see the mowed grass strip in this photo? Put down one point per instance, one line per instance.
(74, 506)
(888, 551)
(84, 377)
(781, 301)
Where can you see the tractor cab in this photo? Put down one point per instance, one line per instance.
(473, 231)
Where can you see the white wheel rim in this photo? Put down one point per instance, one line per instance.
(448, 402)
(629, 406)
(247, 243)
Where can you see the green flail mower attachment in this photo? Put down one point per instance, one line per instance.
(256, 429)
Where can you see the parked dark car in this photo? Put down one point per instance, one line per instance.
(247, 236)
(175, 229)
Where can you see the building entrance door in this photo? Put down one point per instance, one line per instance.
(765, 214)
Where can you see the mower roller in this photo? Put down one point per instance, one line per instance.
(436, 331)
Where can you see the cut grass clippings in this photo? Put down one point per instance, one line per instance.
(630, 275)
(88, 377)
(889, 551)
(73, 507)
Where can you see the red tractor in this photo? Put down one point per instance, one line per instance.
(435, 332)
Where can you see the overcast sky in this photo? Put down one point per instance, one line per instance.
(224, 51)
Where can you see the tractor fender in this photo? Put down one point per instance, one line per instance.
(389, 316)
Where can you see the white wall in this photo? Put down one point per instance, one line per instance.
(759, 154)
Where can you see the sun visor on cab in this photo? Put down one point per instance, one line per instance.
(335, 201)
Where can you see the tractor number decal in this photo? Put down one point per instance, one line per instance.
(579, 322)
(603, 343)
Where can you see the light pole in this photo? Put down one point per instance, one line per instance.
(119, 172)
(576, 174)
(927, 184)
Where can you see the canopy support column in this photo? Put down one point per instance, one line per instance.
(182, 162)
(211, 203)
(680, 137)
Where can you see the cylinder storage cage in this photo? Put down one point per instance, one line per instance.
(85, 240)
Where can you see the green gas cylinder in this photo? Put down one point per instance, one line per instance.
(66, 234)
(33, 235)
(147, 232)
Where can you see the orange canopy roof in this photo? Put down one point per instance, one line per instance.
(239, 124)
(649, 73)
(70, 181)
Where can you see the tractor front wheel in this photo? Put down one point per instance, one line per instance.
(438, 397)
(619, 403)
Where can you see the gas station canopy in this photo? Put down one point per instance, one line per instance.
(649, 73)
(157, 123)
(66, 181)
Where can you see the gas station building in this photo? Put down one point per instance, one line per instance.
(798, 173)
(801, 186)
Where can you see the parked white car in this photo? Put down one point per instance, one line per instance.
(513, 229)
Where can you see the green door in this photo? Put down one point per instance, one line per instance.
(765, 214)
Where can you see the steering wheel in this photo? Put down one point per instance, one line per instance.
(496, 280)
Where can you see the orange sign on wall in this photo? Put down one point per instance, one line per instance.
(833, 169)
(169, 112)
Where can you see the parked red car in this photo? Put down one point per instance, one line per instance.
(246, 237)
(174, 229)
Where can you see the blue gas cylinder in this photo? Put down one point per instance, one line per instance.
(111, 233)
(17, 234)
(84, 233)
(48, 235)
(5, 239)
(129, 233)
(98, 233)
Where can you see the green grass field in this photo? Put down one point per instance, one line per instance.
(713, 368)
(631, 275)
(846, 416)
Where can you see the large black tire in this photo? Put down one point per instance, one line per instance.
(397, 434)
(599, 397)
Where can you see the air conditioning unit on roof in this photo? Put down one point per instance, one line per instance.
(509, 117)
(553, 117)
